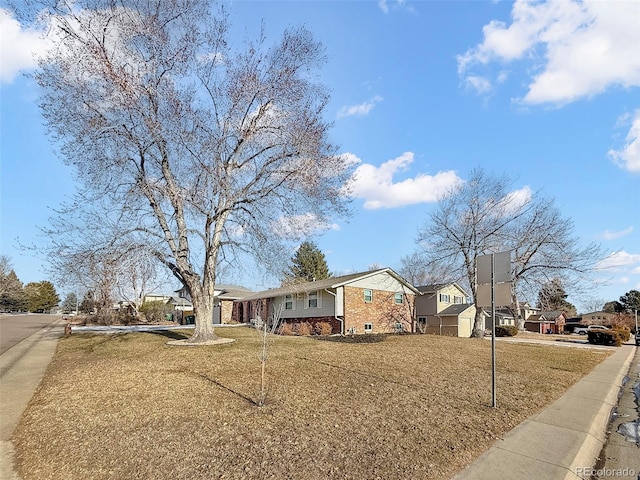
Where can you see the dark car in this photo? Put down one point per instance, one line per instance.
(638, 338)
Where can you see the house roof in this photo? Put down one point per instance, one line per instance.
(332, 282)
(232, 292)
(546, 317)
(500, 312)
(455, 309)
(433, 288)
(228, 292)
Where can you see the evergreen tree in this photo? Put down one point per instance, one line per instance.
(552, 296)
(630, 301)
(41, 296)
(12, 297)
(613, 307)
(308, 264)
(70, 302)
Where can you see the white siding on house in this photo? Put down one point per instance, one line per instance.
(325, 308)
(339, 299)
(380, 281)
(464, 327)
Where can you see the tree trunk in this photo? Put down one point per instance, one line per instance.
(519, 318)
(204, 330)
(478, 330)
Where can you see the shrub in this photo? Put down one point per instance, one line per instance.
(623, 331)
(287, 329)
(104, 318)
(604, 338)
(322, 328)
(124, 317)
(506, 330)
(154, 312)
(304, 329)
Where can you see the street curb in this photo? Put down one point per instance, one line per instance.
(562, 439)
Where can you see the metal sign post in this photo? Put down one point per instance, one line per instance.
(494, 402)
(496, 268)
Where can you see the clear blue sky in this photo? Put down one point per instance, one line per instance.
(422, 93)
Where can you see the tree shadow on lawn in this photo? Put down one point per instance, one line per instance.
(230, 390)
(169, 334)
(365, 338)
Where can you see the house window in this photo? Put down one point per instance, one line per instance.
(368, 327)
(422, 324)
(313, 299)
(399, 298)
(368, 296)
(446, 298)
(458, 300)
(288, 302)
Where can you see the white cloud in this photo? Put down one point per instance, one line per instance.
(361, 109)
(607, 235)
(19, 47)
(480, 84)
(376, 186)
(628, 157)
(580, 48)
(300, 226)
(617, 260)
(385, 5)
(515, 200)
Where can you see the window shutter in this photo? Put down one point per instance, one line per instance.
(319, 298)
(306, 301)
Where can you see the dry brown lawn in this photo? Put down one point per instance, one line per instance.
(128, 406)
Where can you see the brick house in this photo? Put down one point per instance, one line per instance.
(376, 301)
(546, 322)
(444, 309)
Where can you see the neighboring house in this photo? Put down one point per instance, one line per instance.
(504, 317)
(572, 323)
(223, 302)
(593, 318)
(599, 318)
(444, 309)
(527, 310)
(156, 297)
(376, 301)
(546, 322)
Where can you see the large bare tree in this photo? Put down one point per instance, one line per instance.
(484, 215)
(204, 149)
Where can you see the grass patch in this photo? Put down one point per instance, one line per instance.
(128, 406)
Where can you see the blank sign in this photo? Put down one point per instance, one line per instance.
(501, 268)
(502, 295)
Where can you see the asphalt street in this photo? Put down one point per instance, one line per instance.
(15, 328)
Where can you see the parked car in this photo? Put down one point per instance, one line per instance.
(638, 338)
(590, 328)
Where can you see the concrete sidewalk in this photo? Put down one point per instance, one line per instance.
(21, 370)
(566, 438)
